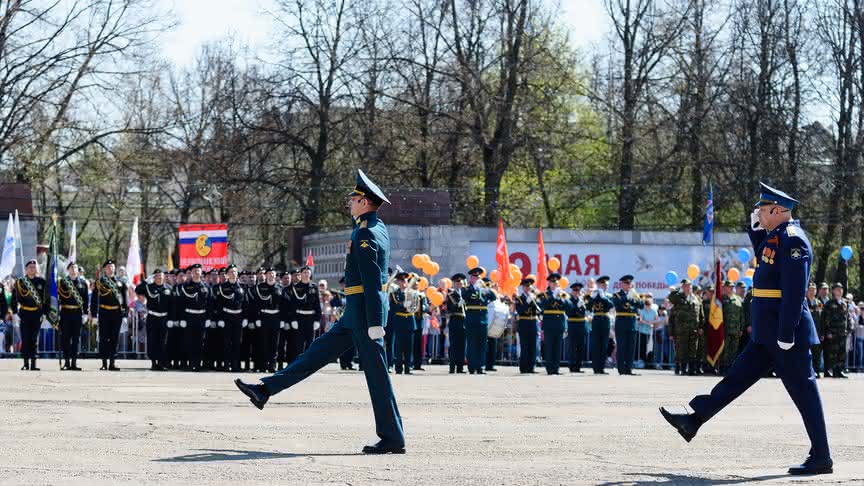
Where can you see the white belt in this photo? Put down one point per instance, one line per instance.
(195, 311)
(270, 311)
(232, 311)
(306, 312)
(157, 314)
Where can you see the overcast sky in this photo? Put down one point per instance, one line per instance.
(201, 21)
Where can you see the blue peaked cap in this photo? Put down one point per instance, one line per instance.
(769, 195)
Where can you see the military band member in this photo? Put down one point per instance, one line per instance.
(477, 299)
(600, 305)
(627, 303)
(419, 320)
(456, 323)
(192, 305)
(403, 302)
(157, 296)
(108, 306)
(577, 327)
(554, 303)
(72, 296)
(362, 324)
(29, 304)
(266, 301)
(527, 315)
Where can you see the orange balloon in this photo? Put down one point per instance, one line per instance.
(483, 273)
(472, 262)
(563, 282)
(749, 272)
(494, 275)
(425, 258)
(432, 268)
(733, 274)
(422, 284)
(436, 299)
(417, 261)
(554, 264)
(445, 283)
(430, 291)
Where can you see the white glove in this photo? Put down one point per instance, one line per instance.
(244, 323)
(282, 325)
(169, 324)
(125, 321)
(258, 323)
(96, 321)
(221, 323)
(207, 323)
(83, 319)
(785, 346)
(316, 325)
(754, 220)
(595, 293)
(183, 324)
(376, 332)
(295, 325)
(633, 294)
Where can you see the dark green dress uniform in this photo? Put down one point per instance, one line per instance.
(402, 327)
(554, 306)
(456, 326)
(600, 304)
(365, 275)
(835, 325)
(733, 325)
(477, 299)
(577, 329)
(626, 307)
(27, 301)
(229, 302)
(527, 318)
(72, 297)
(159, 302)
(108, 305)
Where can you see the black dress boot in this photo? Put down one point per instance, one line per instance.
(34, 368)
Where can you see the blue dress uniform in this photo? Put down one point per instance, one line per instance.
(577, 329)
(456, 325)
(402, 327)
(477, 299)
(783, 331)
(554, 305)
(625, 326)
(600, 304)
(527, 314)
(365, 313)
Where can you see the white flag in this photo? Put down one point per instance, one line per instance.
(73, 248)
(7, 264)
(133, 261)
(19, 240)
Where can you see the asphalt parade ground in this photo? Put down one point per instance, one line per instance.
(135, 426)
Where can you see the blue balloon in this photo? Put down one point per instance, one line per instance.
(846, 253)
(671, 278)
(748, 281)
(744, 255)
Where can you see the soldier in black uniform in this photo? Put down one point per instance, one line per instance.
(229, 307)
(456, 323)
(28, 302)
(191, 307)
(214, 335)
(249, 335)
(288, 332)
(577, 328)
(307, 309)
(174, 356)
(72, 296)
(266, 301)
(159, 302)
(527, 314)
(108, 306)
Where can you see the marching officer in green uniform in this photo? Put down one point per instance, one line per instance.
(72, 296)
(686, 319)
(477, 299)
(835, 325)
(362, 324)
(527, 314)
(733, 325)
(815, 306)
(554, 303)
(627, 302)
(29, 304)
(456, 323)
(600, 305)
(577, 328)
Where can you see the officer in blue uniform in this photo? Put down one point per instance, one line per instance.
(527, 314)
(554, 303)
(362, 324)
(783, 330)
(600, 303)
(627, 302)
(456, 323)
(577, 328)
(477, 298)
(403, 324)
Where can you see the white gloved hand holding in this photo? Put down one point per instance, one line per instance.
(316, 325)
(183, 324)
(169, 324)
(258, 323)
(295, 325)
(376, 332)
(244, 323)
(754, 220)
(221, 323)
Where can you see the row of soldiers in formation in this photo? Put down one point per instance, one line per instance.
(689, 316)
(193, 321)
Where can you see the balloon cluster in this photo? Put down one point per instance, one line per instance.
(424, 263)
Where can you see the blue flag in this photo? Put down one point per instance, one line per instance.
(51, 275)
(708, 229)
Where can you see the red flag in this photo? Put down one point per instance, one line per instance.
(503, 259)
(309, 261)
(715, 340)
(542, 272)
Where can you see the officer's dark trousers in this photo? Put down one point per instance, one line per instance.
(389, 345)
(31, 321)
(576, 334)
(268, 334)
(457, 344)
(248, 342)
(70, 334)
(193, 340)
(156, 332)
(794, 367)
(109, 332)
(174, 345)
(417, 342)
(404, 349)
(388, 423)
(625, 338)
(491, 353)
(233, 336)
(599, 343)
(553, 336)
(214, 340)
(476, 338)
(346, 359)
(286, 346)
(527, 345)
(306, 334)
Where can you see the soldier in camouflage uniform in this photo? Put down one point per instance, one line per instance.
(835, 325)
(701, 351)
(815, 306)
(686, 320)
(733, 325)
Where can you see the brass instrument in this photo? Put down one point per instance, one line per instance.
(390, 284)
(412, 297)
